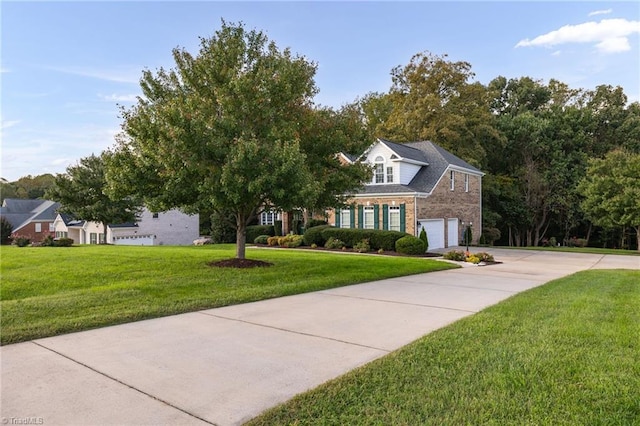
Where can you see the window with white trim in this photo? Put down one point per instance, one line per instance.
(345, 218)
(52, 228)
(394, 218)
(93, 238)
(379, 170)
(269, 217)
(466, 183)
(452, 177)
(368, 217)
(390, 174)
(38, 227)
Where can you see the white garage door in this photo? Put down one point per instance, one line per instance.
(435, 232)
(452, 233)
(134, 240)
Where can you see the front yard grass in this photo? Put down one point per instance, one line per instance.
(46, 291)
(566, 353)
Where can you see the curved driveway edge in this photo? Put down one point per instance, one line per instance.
(224, 366)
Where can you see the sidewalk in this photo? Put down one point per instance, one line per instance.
(224, 366)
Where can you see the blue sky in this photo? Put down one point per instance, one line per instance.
(65, 66)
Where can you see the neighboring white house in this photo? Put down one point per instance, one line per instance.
(164, 228)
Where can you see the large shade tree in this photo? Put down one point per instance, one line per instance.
(82, 193)
(227, 130)
(611, 189)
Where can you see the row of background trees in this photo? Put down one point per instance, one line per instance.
(234, 129)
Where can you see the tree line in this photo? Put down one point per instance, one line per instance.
(234, 130)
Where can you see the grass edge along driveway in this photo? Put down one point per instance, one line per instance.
(47, 291)
(563, 353)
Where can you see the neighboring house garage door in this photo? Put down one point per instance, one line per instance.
(435, 232)
(141, 240)
(452, 233)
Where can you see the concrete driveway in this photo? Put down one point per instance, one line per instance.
(224, 366)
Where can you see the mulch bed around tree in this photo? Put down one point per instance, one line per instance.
(239, 263)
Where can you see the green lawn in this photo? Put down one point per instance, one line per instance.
(566, 353)
(52, 290)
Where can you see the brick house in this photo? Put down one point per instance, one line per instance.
(416, 185)
(30, 218)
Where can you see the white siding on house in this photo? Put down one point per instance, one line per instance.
(407, 172)
(170, 228)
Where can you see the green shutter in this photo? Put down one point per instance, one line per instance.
(352, 217)
(403, 221)
(360, 216)
(376, 216)
(337, 218)
(385, 217)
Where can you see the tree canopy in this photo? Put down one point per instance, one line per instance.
(611, 189)
(81, 192)
(234, 130)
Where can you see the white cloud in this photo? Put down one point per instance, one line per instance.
(9, 123)
(121, 75)
(608, 35)
(556, 53)
(600, 12)
(119, 98)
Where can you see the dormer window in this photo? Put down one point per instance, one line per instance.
(379, 170)
(389, 174)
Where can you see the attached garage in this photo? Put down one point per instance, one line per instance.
(452, 233)
(435, 232)
(134, 240)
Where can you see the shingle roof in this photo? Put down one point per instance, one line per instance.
(437, 158)
(19, 212)
(406, 151)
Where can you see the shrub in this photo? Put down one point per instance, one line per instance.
(312, 223)
(362, 247)
(484, 257)
(20, 240)
(334, 243)
(290, 241)
(491, 235)
(296, 226)
(577, 242)
(254, 231)
(410, 245)
(221, 229)
(378, 239)
(5, 230)
(457, 255)
(63, 242)
(314, 246)
(314, 235)
(472, 259)
(277, 225)
(261, 239)
(273, 241)
(467, 235)
(48, 241)
(423, 237)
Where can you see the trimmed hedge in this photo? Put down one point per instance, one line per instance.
(261, 239)
(254, 231)
(378, 239)
(311, 223)
(410, 245)
(313, 235)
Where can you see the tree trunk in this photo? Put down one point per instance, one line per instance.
(637, 228)
(241, 237)
(104, 233)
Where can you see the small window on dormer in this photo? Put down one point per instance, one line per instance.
(379, 170)
(389, 174)
(453, 182)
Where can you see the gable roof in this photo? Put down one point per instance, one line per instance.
(19, 212)
(436, 160)
(406, 151)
